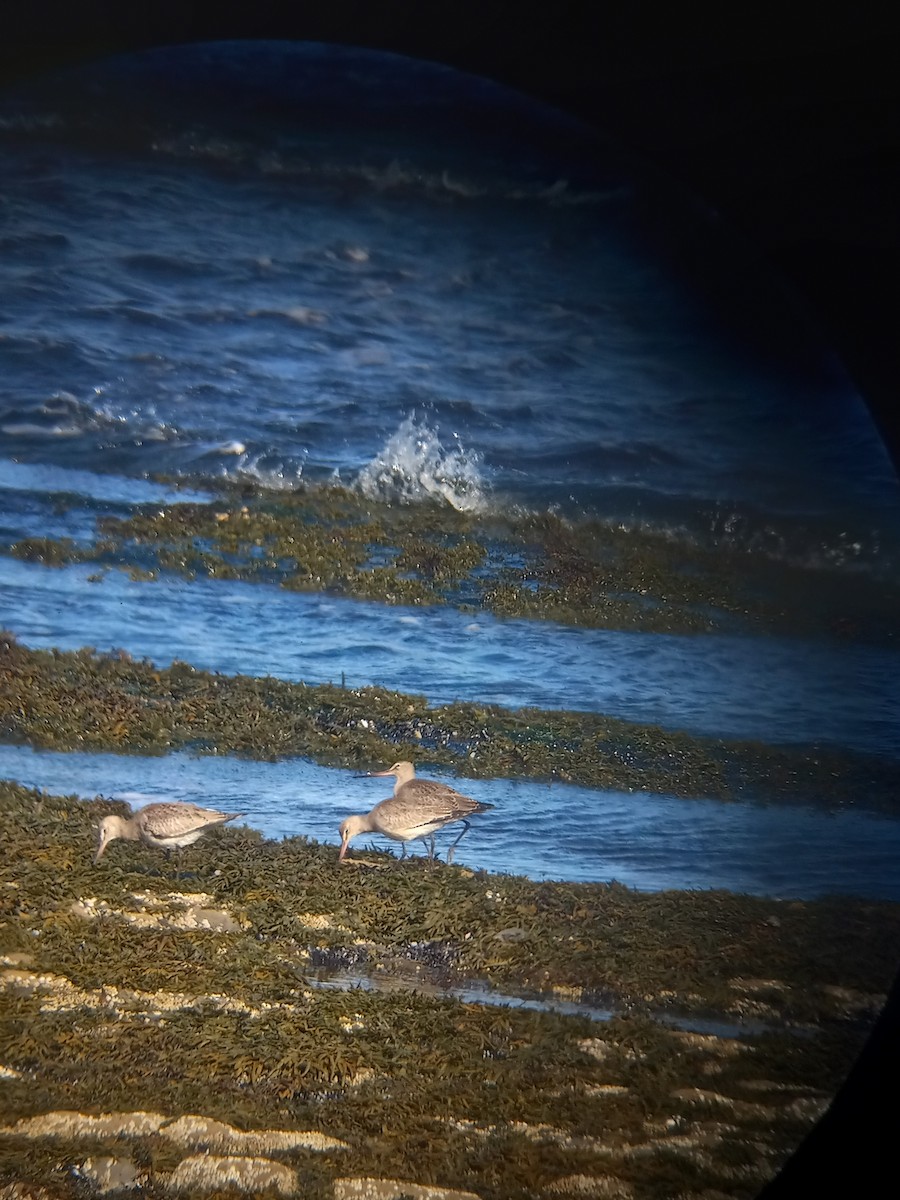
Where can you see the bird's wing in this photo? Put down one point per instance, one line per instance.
(437, 801)
(170, 820)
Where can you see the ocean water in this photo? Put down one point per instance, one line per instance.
(287, 264)
(547, 831)
(774, 689)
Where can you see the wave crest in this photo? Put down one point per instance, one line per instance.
(414, 465)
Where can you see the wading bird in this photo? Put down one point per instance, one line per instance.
(167, 825)
(417, 809)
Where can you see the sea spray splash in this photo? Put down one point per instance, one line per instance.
(415, 465)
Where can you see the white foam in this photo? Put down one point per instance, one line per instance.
(414, 465)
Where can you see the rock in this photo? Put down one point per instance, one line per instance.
(209, 1173)
(394, 1189)
(595, 1187)
(515, 933)
(110, 1174)
(196, 1131)
(65, 1123)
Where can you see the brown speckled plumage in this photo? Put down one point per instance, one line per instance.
(417, 809)
(167, 825)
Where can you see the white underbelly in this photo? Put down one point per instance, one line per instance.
(172, 843)
(412, 832)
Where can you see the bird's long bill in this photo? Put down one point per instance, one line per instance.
(104, 842)
(345, 842)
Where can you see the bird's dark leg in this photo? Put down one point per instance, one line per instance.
(403, 851)
(431, 850)
(465, 826)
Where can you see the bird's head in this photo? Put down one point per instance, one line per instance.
(108, 830)
(349, 829)
(403, 772)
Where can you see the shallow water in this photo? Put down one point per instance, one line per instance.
(787, 690)
(561, 831)
(382, 981)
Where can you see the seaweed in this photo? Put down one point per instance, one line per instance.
(110, 1005)
(68, 700)
(582, 572)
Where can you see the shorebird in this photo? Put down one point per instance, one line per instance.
(167, 825)
(417, 809)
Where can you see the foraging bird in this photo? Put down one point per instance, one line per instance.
(168, 826)
(417, 809)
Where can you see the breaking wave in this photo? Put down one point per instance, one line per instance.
(415, 465)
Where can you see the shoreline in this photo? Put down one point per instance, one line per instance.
(157, 1013)
(582, 572)
(84, 700)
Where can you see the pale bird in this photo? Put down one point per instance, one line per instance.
(417, 809)
(167, 826)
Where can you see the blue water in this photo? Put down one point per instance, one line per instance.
(772, 689)
(286, 263)
(643, 840)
